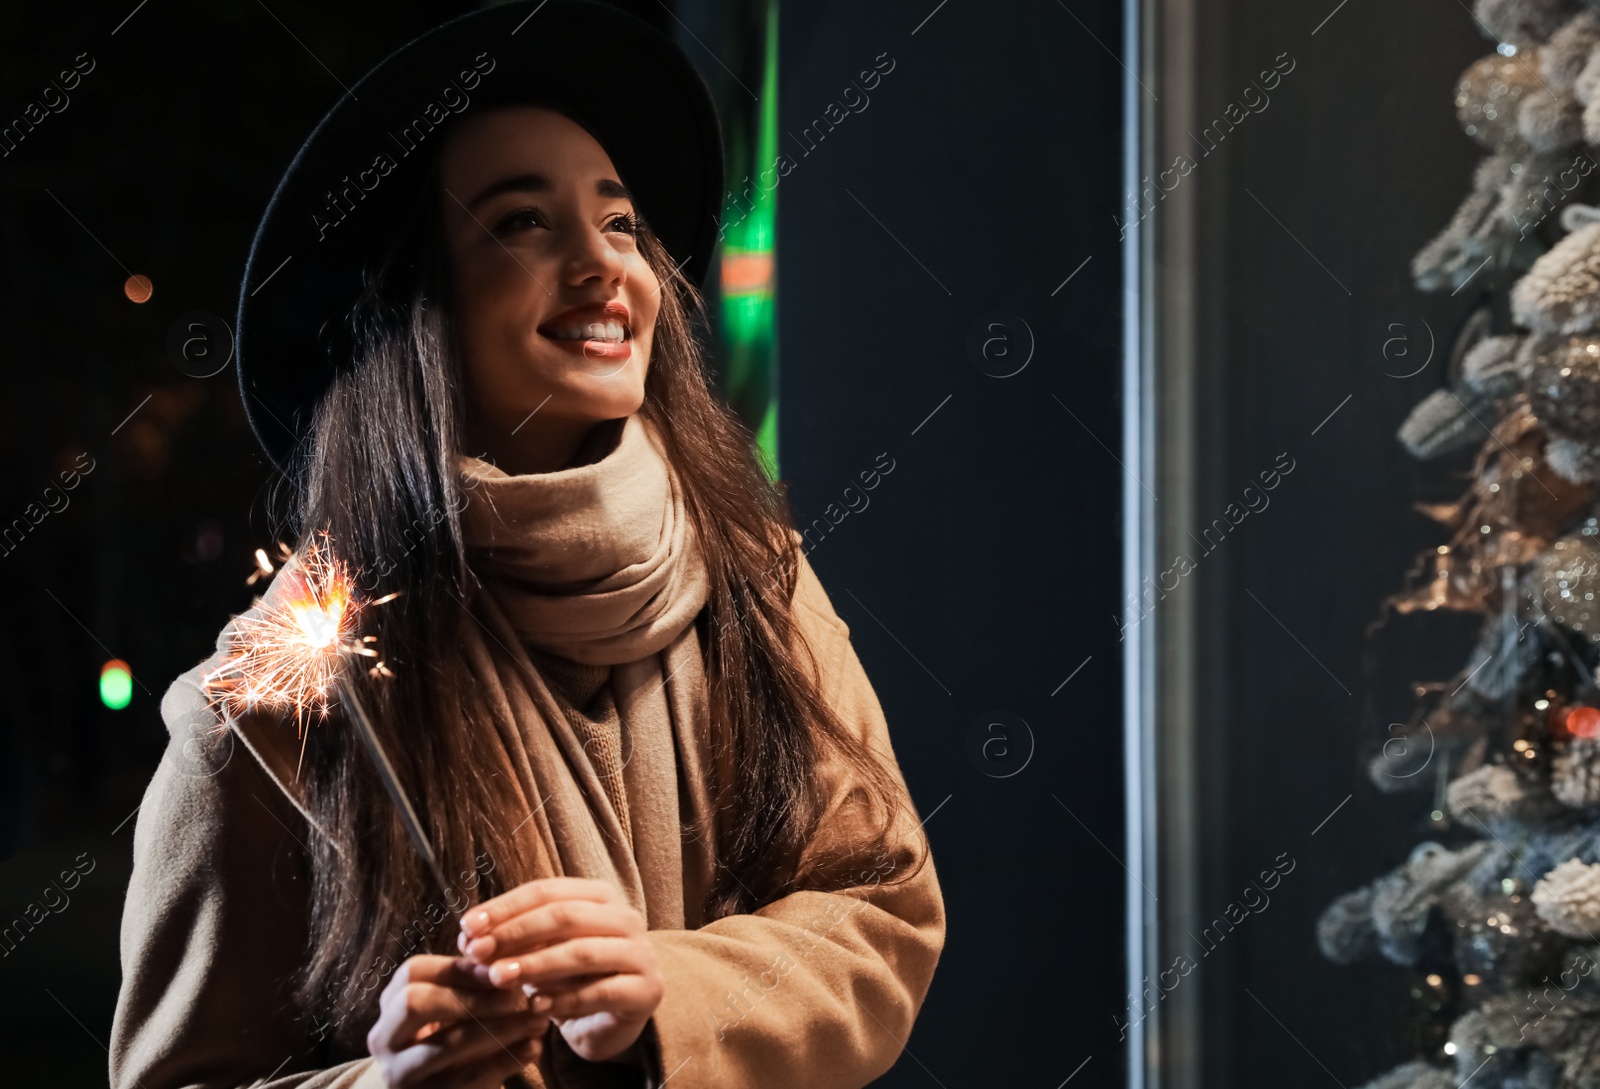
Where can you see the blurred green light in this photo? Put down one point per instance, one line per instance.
(116, 685)
(749, 267)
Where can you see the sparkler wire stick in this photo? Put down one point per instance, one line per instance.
(408, 816)
(391, 783)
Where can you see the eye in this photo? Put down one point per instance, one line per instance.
(520, 219)
(625, 223)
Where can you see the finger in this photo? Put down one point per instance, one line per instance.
(435, 968)
(478, 973)
(425, 968)
(460, 973)
(532, 894)
(574, 957)
(538, 993)
(627, 996)
(551, 923)
(488, 1073)
(418, 1005)
(466, 1042)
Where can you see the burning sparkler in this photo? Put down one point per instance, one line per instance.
(290, 653)
(294, 654)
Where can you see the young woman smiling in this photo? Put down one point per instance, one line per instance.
(623, 706)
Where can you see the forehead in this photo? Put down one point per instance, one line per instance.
(505, 138)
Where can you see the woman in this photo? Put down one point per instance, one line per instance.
(635, 730)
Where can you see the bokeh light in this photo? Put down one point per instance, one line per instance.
(138, 288)
(116, 684)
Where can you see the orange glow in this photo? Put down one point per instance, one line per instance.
(320, 619)
(746, 272)
(1583, 722)
(138, 288)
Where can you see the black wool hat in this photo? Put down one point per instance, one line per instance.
(337, 205)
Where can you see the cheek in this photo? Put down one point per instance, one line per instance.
(495, 301)
(644, 303)
(644, 345)
(500, 276)
(492, 314)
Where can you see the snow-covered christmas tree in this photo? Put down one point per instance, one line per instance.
(1501, 917)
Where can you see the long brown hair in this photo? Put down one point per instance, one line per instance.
(376, 473)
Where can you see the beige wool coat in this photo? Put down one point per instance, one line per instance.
(817, 990)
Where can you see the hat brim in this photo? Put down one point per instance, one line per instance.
(337, 204)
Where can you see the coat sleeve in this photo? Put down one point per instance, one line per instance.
(817, 990)
(213, 922)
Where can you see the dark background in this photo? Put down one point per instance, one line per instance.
(991, 552)
(1361, 161)
(980, 577)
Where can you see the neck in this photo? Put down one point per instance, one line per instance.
(549, 445)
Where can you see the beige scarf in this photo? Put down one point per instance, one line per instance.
(598, 564)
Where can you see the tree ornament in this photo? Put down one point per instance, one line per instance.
(1524, 23)
(1573, 460)
(1566, 585)
(1548, 121)
(1487, 97)
(1450, 419)
(1564, 387)
(1501, 940)
(1490, 792)
(1568, 899)
(1561, 292)
(1563, 57)
(1575, 772)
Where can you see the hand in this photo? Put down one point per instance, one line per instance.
(442, 1025)
(579, 946)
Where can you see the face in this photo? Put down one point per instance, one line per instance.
(554, 303)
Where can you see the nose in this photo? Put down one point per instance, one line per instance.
(590, 257)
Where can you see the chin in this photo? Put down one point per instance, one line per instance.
(610, 404)
(626, 406)
(612, 392)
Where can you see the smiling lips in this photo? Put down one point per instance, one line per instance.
(595, 332)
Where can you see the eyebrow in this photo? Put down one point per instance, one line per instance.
(539, 183)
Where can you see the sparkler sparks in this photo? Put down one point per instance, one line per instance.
(289, 654)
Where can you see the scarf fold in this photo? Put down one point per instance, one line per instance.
(598, 564)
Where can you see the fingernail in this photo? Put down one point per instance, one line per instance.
(503, 972)
(475, 922)
(542, 1002)
(482, 948)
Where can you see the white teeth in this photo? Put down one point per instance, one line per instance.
(598, 330)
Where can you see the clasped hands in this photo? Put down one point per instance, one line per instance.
(564, 949)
